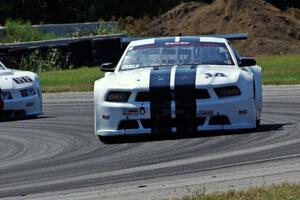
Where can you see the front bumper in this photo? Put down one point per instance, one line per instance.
(239, 111)
(25, 106)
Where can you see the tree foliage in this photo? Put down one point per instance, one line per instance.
(67, 11)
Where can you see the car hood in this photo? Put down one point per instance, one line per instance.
(7, 77)
(216, 75)
(208, 75)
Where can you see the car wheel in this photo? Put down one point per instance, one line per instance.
(257, 123)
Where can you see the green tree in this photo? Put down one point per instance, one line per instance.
(66, 11)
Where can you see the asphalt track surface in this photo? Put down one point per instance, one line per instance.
(58, 154)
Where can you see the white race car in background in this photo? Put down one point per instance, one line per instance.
(20, 93)
(178, 85)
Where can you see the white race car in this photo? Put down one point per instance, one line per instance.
(20, 93)
(178, 85)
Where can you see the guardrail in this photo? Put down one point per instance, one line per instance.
(89, 51)
(64, 30)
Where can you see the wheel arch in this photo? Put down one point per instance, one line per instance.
(257, 83)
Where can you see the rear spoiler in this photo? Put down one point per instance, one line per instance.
(234, 36)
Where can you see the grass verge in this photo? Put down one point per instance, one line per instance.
(283, 192)
(280, 70)
(277, 70)
(81, 79)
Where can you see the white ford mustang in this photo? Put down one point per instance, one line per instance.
(20, 93)
(178, 85)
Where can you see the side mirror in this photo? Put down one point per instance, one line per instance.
(107, 67)
(247, 62)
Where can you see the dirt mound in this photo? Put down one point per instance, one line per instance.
(271, 31)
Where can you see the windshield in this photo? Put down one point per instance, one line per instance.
(176, 54)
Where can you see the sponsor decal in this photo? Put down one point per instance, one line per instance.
(177, 43)
(183, 41)
(132, 66)
(106, 117)
(205, 113)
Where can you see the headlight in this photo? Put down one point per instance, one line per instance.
(5, 95)
(227, 91)
(27, 92)
(115, 96)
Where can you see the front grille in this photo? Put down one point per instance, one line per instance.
(128, 124)
(202, 94)
(142, 97)
(219, 120)
(146, 123)
(145, 97)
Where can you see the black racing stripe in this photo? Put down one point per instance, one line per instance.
(160, 101)
(185, 99)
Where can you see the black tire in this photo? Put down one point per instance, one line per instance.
(254, 94)
(257, 123)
